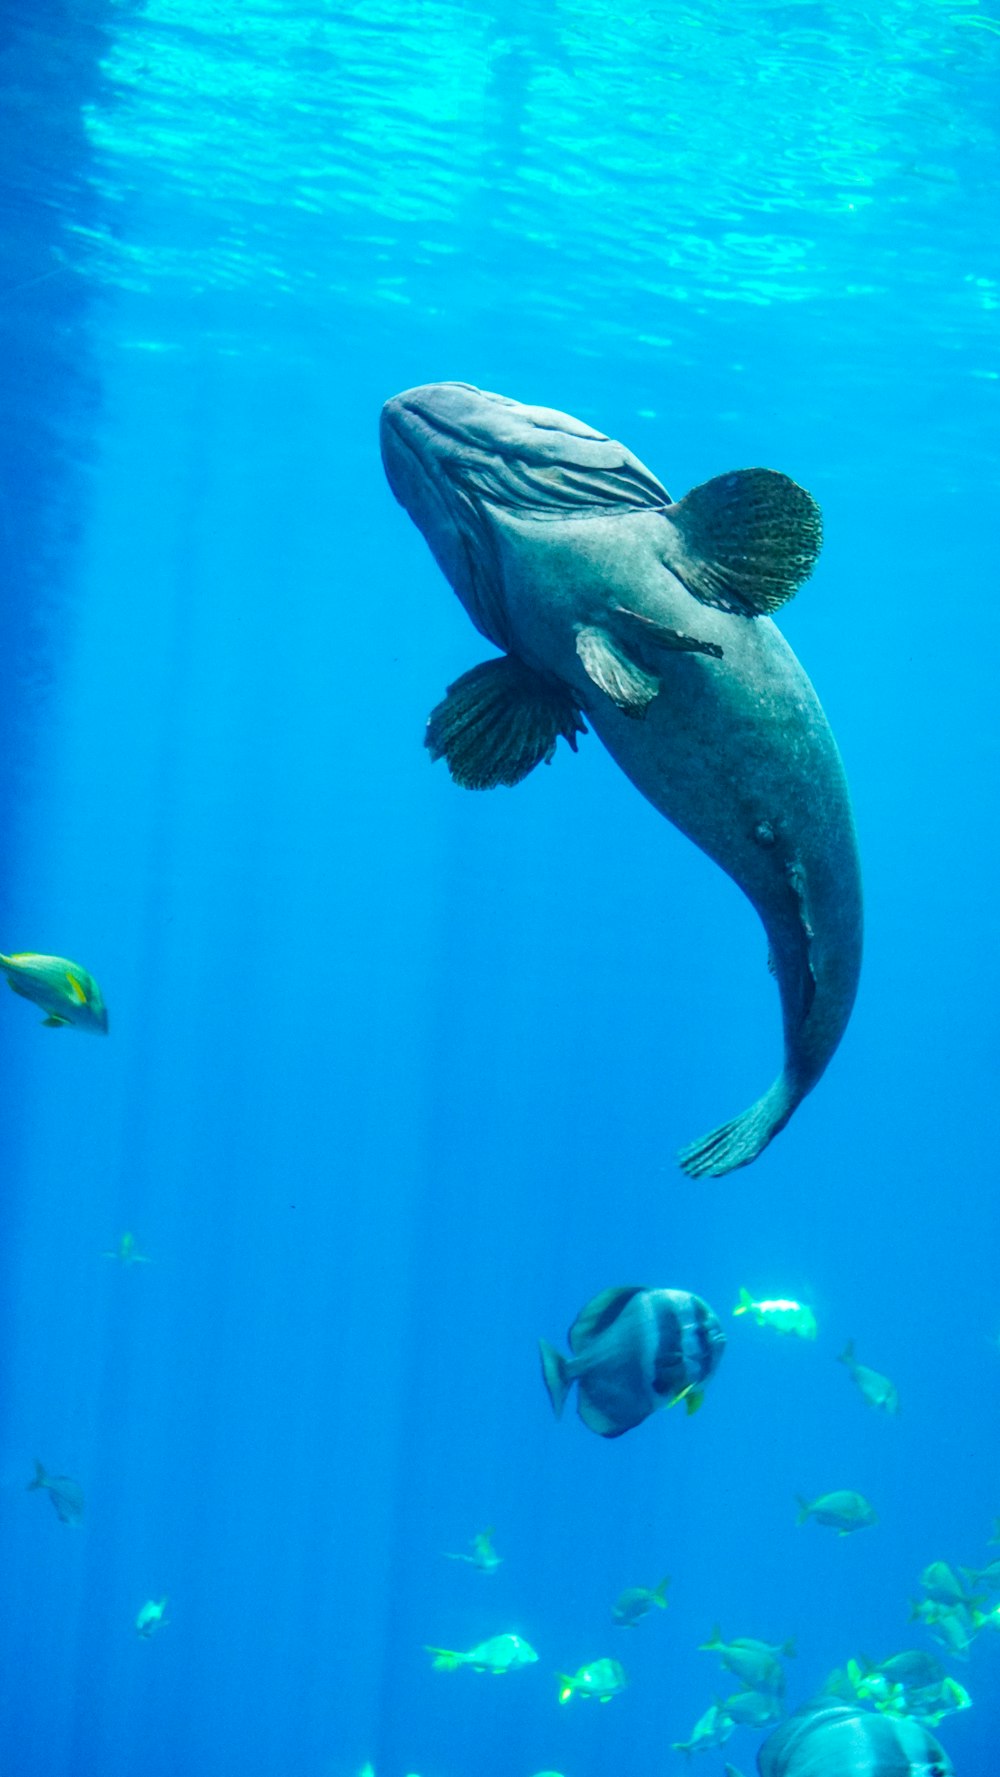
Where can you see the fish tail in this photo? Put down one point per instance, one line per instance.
(41, 1478)
(445, 1659)
(788, 1648)
(555, 1375)
(660, 1592)
(739, 1141)
(847, 1355)
(566, 1686)
(745, 1302)
(804, 1509)
(714, 1641)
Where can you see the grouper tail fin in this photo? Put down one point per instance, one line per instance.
(738, 1142)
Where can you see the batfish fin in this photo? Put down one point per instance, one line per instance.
(744, 542)
(627, 684)
(658, 635)
(499, 721)
(599, 1314)
(595, 1418)
(54, 1023)
(555, 1375)
(738, 1142)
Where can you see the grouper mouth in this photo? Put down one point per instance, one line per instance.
(534, 460)
(459, 459)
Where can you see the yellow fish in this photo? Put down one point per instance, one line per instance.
(782, 1315)
(64, 991)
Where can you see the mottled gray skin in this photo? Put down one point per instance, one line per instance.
(736, 751)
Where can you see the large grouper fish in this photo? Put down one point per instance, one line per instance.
(649, 617)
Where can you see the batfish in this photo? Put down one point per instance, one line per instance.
(647, 618)
(833, 1740)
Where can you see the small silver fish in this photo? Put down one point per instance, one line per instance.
(844, 1511)
(66, 1494)
(876, 1389)
(757, 1664)
(637, 1601)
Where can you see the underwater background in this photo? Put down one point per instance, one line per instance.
(396, 1074)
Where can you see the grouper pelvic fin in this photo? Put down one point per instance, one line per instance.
(500, 720)
(744, 542)
(628, 685)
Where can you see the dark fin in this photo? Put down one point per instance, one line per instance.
(41, 1478)
(54, 1023)
(736, 1143)
(600, 1314)
(804, 1508)
(657, 635)
(498, 722)
(693, 1400)
(596, 1419)
(847, 1355)
(746, 541)
(714, 1641)
(554, 1376)
(627, 685)
(659, 1593)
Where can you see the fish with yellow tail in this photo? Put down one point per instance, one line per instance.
(64, 991)
(780, 1313)
(501, 1653)
(650, 619)
(601, 1680)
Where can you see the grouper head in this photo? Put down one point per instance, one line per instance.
(460, 460)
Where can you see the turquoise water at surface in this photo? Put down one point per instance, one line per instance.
(396, 1074)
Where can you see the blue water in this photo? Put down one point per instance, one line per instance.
(397, 1074)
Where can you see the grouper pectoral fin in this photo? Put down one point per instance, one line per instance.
(745, 541)
(604, 661)
(497, 722)
(646, 630)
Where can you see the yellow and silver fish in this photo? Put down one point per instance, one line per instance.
(783, 1315)
(66, 993)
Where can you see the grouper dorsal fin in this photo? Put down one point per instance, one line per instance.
(600, 1314)
(744, 542)
(500, 720)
